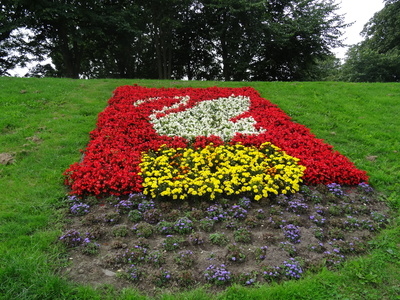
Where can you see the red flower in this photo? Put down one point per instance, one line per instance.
(111, 160)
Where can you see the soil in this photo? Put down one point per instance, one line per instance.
(10, 158)
(6, 158)
(325, 229)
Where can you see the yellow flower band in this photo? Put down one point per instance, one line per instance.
(220, 171)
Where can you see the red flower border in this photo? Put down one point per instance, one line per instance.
(111, 160)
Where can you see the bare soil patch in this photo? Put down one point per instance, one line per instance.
(6, 158)
(160, 245)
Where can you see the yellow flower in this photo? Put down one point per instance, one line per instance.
(226, 169)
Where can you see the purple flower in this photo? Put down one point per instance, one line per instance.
(245, 202)
(217, 275)
(237, 212)
(124, 205)
(72, 238)
(80, 209)
(146, 205)
(335, 189)
(365, 187)
(292, 269)
(292, 233)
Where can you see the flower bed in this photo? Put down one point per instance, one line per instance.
(140, 122)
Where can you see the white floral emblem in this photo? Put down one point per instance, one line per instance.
(206, 118)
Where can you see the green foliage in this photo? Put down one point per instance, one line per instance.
(364, 64)
(135, 216)
(207, 39)
(219, 239)
(381, 31)
(242, 235)
(143, 229)
(295, 39)
(120, 231)
(377, 58)
(172, 242)
(11, 18)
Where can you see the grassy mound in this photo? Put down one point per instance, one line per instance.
(44, 123)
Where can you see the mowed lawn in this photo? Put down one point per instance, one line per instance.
(45, 122)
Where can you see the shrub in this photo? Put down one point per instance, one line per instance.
(292, 233)
(162, 277)
(217, 275)
(155, 257)
(216, 213)
(335, 189)
(292, 269)
(136, 254)
(172, 242)
(186, 278)
(219, 239)
(235, 253)
(120, 231)
(206, 224)
(165, 227)
(196, 238)
(72, 238)
(185, 258)
(134, 273)
(125, 206)
(135, 216)
(242, 235)
(237, 212)
(247, 278)
(79, 209)
(152, 216)
(261, 252)
(146, 205)
(143, 229)
(89, 247)
(183, 225)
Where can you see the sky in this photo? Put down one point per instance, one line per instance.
(360, 12)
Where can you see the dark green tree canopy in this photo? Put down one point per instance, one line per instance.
(193, 39)
(377, 57)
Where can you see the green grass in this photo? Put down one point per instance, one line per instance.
(360, 120)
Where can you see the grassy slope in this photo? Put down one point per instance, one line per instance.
(360, 120)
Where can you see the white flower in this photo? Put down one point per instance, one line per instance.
(210, 117)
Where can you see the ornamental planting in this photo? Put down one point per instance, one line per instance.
(179, 143)
(227, 145)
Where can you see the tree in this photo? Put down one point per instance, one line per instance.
(377, 57)
(194, 39)
(119, 44)
(76, 36)
(297, 35)
(194, 51)
(234, 33)
(364, 64)
(58, 32)
(11, 19)
(382, 31)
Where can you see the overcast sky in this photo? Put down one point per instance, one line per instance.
(358, 11)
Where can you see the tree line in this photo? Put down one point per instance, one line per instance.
(193, 39)
(377, 57)
(237, 40)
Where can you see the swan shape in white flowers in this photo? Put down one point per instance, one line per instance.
(206, 118)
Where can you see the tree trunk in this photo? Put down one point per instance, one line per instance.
(71, 56)
(226, 69)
